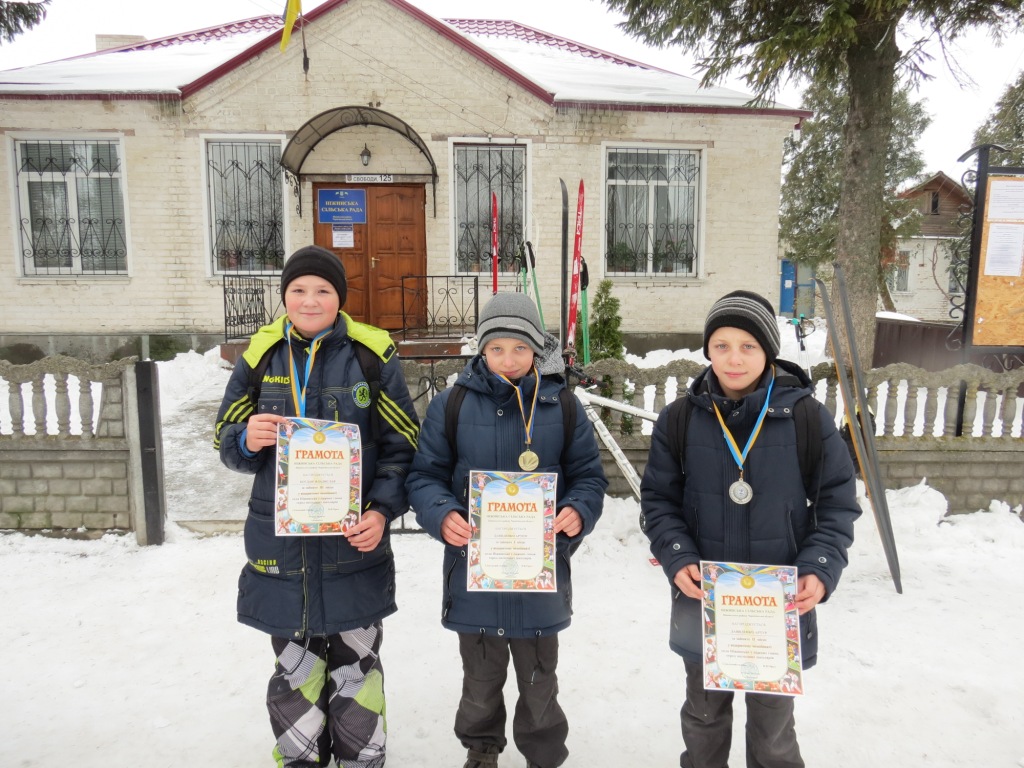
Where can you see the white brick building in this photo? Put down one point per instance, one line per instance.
(135, 177)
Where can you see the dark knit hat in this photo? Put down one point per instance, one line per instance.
(749, 312)
(314, 260)
(511, 316)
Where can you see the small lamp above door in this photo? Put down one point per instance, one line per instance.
(365, 155)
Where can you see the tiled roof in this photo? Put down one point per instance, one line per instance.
(220, 32)
(517, 31)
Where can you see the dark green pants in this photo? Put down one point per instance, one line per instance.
(706, 719)
(539, 726)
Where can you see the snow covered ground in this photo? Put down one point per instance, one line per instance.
(122, 656)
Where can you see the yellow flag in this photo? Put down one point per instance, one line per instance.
(292, 10)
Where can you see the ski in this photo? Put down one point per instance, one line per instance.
(854, 401)
(494, 242)
(565, 260)
(574, 289)
(533, 275)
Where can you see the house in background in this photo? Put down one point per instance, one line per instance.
(919, 279)
(137, 177)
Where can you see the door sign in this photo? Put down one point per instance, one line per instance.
(341, 206)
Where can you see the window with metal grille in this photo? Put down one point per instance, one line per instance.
(898, 276)
(71, 207)
(653, 212)
(479, 171)
(246, 196)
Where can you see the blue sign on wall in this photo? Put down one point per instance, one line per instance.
(341, 206)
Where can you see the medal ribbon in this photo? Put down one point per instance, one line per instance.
(738, 457)
(527, 423)
(299, 395)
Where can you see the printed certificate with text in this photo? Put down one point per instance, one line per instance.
(512, 547)
(751, 628)
(319, 477)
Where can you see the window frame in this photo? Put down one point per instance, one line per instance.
(698, 222)
(21, 203)
(454, 143)
(210, 258)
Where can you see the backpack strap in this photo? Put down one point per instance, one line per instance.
(808, 444)
(678, 423)
(454, 404)
(256, 373)
(451, 417)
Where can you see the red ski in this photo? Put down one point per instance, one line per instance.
(574, 289)
(494, 241)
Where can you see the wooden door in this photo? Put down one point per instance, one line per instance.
(377, 254)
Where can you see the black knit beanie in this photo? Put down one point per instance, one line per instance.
(749, 312)
(314, 260)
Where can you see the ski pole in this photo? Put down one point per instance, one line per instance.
(584, 314)
(536, 288)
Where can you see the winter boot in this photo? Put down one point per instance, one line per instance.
(475, 759)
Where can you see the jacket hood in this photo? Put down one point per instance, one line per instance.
(478, 377)
(791, 383)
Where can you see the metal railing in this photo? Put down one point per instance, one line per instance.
(439, 306)
(248, 304)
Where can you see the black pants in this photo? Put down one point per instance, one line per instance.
(539, 726)
(706, 719)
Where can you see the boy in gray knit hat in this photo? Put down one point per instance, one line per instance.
(514, 415)
(732, 490)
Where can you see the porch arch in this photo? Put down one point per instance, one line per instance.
(318, 128)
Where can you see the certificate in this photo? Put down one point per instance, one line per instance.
(319, 477)
(512, 547)
(751, 628)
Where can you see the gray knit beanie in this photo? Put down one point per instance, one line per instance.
(749, 312)
(314, 260)
(510, 316)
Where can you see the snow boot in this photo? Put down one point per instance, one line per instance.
(475, 759)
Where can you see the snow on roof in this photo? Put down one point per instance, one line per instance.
(579, 73)
(161, 66)
(179, 64)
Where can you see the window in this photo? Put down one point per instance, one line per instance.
(934, 204)
(651, 222)
(479, 172)
(246, 196)
(898, 277)
(71, 207)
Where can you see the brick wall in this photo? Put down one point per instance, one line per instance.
(56, 475)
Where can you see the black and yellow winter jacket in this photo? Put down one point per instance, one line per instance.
(299, 586)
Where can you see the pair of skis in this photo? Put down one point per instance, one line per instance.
(858, 418)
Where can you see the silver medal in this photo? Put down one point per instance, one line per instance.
(741, 492)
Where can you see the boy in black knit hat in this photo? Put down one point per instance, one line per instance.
(736, 494)
(321, 598)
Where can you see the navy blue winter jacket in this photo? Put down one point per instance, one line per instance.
(689, 516)
(302, 586)
(490, 437)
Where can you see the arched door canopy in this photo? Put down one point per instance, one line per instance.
(323, 125)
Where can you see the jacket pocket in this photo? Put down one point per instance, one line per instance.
(265, 552)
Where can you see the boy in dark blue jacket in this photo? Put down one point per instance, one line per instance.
(321, 598)
(724, 503)
(511, 406)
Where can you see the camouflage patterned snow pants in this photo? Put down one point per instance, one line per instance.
(327, 695)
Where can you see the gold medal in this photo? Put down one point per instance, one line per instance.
(528, 460)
